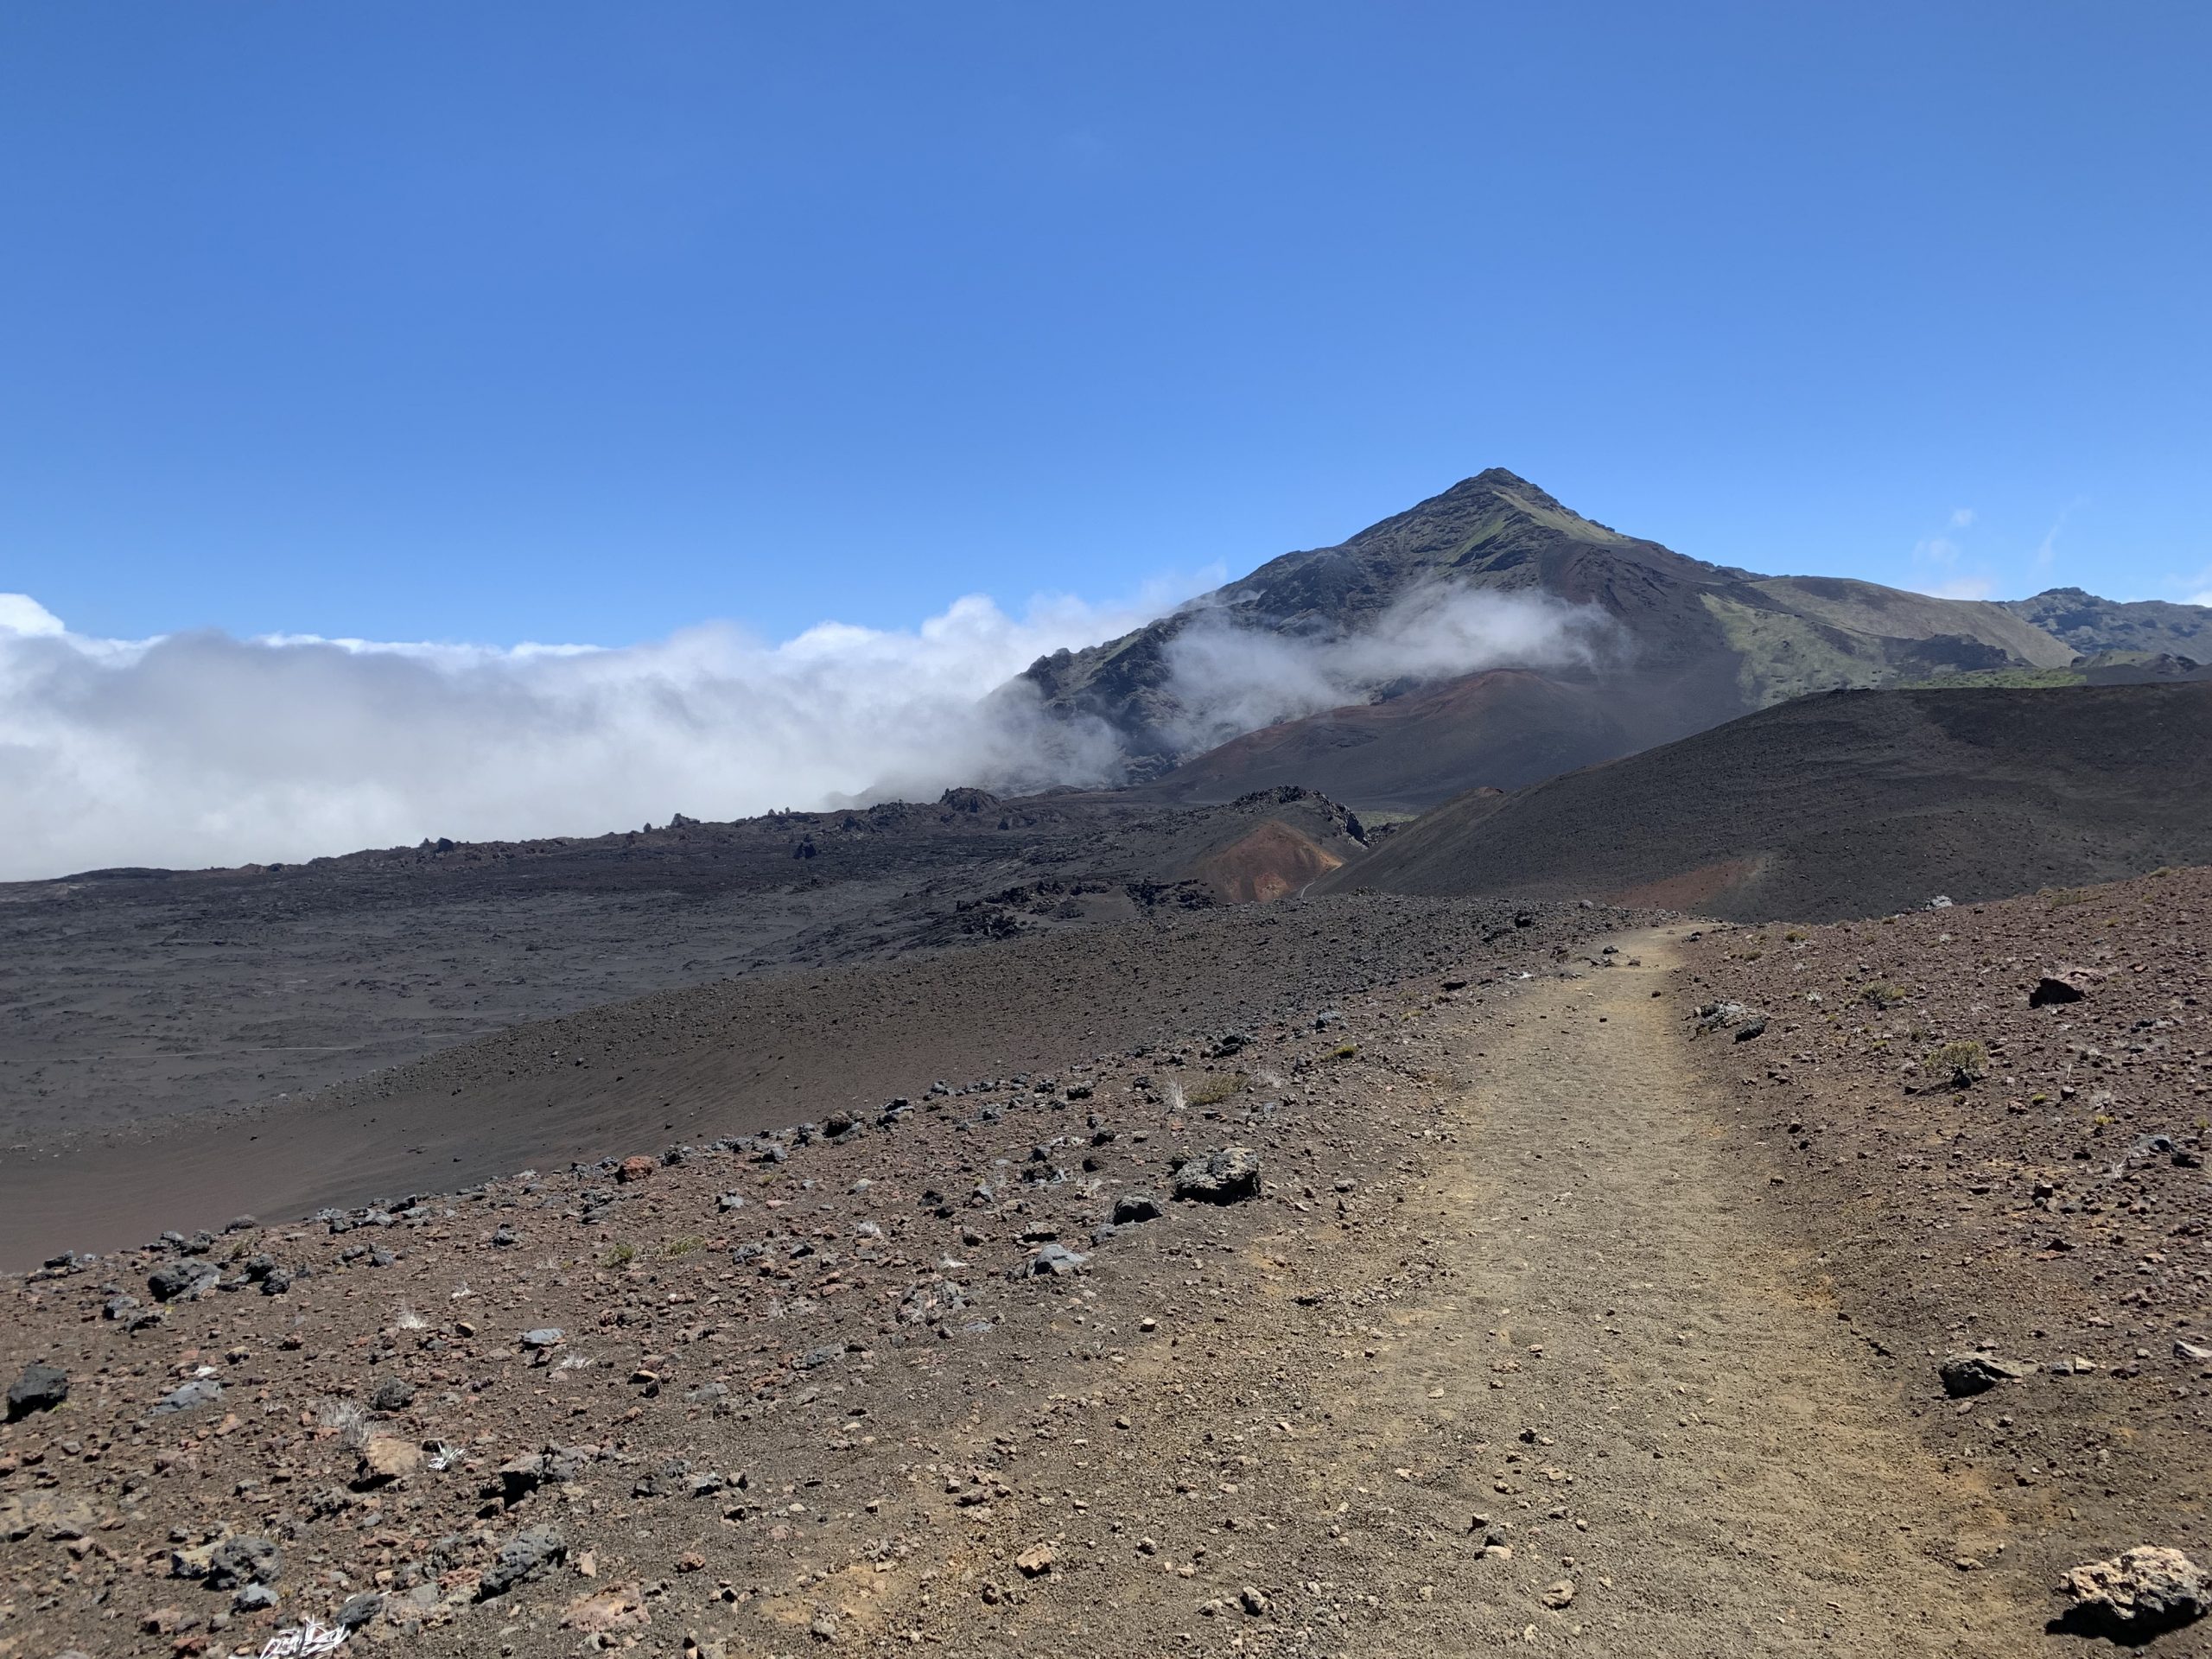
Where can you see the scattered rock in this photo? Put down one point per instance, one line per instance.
(1223, 1177)
(386, 1458)
(55, 1516)
(185, 1280)
(200, 1391)
(2134, 1595)
(244, 1561)
(1134, 1207)
(1969, 1374)
(527, 1554)
(1035, 1562)
(41, 1387)
(635, 1169)
(2057, 987)
(393, 1394)
(357, 1611)
(1049, 1261)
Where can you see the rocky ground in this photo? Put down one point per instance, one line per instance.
(787, 1370)
(127, 996)
(1988, 1124)
(1494, 1304)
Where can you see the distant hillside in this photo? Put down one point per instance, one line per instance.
(1672, 645)
(1850, 805)
(2093, 625)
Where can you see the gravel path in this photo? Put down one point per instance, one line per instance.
(1640, 1405)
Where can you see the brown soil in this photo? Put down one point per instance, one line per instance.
(1266, 864)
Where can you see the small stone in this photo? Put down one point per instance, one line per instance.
(1132, 1208)
(1035, 1562)
(200, 1391)
(357, 1611)
(182, 1281)
(393, 1394)
(252, 1598)
(1970, 1373)
(1049, 1261)
(546, 1336)
(526, 1555)
(635, 1169)
(1559, 1595)
(244, 1561)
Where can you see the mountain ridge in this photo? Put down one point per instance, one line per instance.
(1673, 644)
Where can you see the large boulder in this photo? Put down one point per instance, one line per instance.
(1222, 1177)
(41, 1387)
(2136, 1594)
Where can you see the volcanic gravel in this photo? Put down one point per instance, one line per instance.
(1983, 1171)
(896, 1373)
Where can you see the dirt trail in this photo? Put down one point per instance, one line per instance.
(1628, 1344)
(1549, 1318)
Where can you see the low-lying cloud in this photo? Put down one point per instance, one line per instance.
(1227, 678)
(202, 748)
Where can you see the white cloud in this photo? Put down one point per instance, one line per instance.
(20, 614)
(2046, 553)
(1228, 679)
(1961, 517)
(1936, 550)
(206, 749)
(202, 748)
(1962, 588)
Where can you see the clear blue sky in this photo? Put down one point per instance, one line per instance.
(564, 321)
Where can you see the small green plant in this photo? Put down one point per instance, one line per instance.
(1344, 1051)
(682, 1246)
(620, 1257)
(2038, 1100)
(1795, 936)
(1883, 994)
(1963, 1062)
(1213, 1088)
(2060, 897)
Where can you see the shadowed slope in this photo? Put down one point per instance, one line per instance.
(1848, 805)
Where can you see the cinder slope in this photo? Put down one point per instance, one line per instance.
(1847, 804)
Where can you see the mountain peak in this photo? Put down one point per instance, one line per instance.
(1497, 480)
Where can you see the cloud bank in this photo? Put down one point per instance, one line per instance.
(202, 748)
(1228, 679)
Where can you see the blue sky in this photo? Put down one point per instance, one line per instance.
(583, 322)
